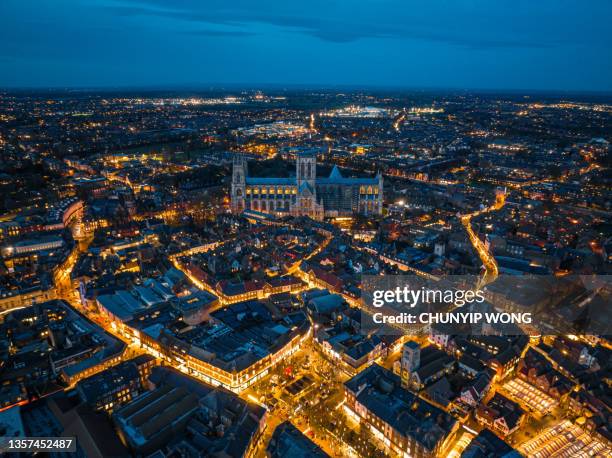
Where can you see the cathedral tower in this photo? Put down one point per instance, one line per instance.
(306, 176)
(239, 173)
(306, 168)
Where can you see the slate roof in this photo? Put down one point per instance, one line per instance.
(288, 441)
(380, 391)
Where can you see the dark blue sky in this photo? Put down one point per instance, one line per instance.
(488, 44)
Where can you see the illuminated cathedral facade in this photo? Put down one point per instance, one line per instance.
(305, 194)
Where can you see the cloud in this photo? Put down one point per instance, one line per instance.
(452, 23)
(219, 33)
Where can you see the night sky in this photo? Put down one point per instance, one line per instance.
(472, 44)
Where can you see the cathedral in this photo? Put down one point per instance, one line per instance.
(305, 194)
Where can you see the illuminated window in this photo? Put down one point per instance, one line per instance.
(264, 190)
(248, 190)
(293, 191)
(272, 190)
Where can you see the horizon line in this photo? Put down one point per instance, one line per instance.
(300, 86)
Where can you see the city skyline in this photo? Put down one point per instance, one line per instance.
(170, 255)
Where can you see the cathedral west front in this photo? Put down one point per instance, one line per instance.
(305, 194)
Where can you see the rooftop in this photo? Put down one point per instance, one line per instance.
(380, 391)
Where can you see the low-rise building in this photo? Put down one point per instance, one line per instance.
(501, 415)
(117, 385)
(234, 348)
(488, 445)
(288, 441)
(398, 418)
(181, 416)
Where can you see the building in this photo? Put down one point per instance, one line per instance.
(234, 348)
(183, 417)
(488, 445)
(287, 440)
(23, 298)
(123, 305)
(305, 194)
(423, 366)
(63, 415)
(411, 360)
(47, 242)
(476, 390)
(406, 424)
(346, 344)
(52, 340)
(538, 371)
(116, 385)
(501, 415)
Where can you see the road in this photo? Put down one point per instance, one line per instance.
(488, 260)
(316, 411)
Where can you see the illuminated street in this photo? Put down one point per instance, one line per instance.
(488, 261)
